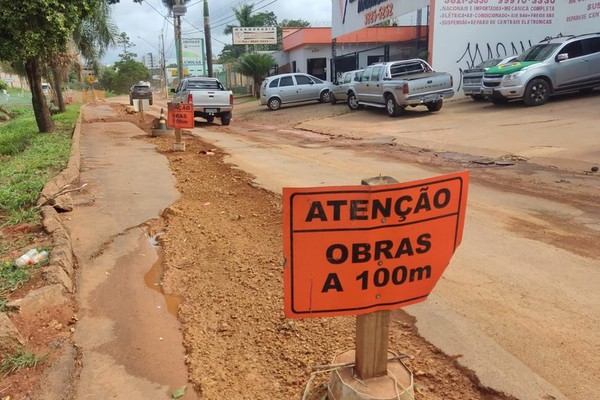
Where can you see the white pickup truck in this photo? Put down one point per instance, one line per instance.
(209, 97)
(396, 85)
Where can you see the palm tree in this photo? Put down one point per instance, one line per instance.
(244, 17)
(90, 39)
(255, 65)
(96, 34)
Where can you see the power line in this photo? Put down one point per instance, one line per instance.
(158, 12)
(234, 19)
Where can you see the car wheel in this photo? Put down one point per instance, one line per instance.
(210, 119)
(435, 105)
(324, 97)
(478, 97)
(537, 93)
(225, 119)
(332, 97)
(392, 108)
(353, 102)
(274, 104)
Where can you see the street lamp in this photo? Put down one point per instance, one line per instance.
(163, 70)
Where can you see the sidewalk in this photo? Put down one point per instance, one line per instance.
(126, 344)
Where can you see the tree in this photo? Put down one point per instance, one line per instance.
(33, 31)
(231, 53)
(123, 40)
(122, 75)
(90, 39)
(255, 65)
(245, 18)
(294, 23)
(95, 34)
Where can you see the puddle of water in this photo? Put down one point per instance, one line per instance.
(153, 277)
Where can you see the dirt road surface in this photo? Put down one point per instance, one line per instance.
(518, 303)
(515, 315)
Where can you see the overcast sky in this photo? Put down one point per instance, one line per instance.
(144, 23)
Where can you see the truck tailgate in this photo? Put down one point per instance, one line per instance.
(428, 82)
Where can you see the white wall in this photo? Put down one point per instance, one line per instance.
(464, 35)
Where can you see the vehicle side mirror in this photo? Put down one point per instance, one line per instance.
(357, 78)
(172, 90)
(562, 57)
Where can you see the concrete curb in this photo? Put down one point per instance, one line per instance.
(58, 377)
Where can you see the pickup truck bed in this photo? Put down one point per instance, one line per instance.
(396, 85)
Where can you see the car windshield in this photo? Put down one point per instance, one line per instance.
(489, 63)
(203, 85)
(539, 52)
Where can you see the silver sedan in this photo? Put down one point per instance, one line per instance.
(291, 88)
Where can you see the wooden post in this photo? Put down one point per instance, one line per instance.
(372, 330)
(178, 145)
(141, 109)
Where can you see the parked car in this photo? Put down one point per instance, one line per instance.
(555, 65)
(292, 88)
(472, 77)
(209, 96)
(140, 90)
(339, 89)
(396, 85)
(46, 89)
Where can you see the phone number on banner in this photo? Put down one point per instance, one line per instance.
(380, 14)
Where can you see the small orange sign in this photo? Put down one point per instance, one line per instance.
(358, 249)
(180, 115)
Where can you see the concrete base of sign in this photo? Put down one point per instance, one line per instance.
(343, 385)
(179, 146)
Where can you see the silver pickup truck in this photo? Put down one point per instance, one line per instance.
(209, 97)
(396, 85)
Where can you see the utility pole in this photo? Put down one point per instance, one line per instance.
(207, 39)
(177, 16)
(163, 66)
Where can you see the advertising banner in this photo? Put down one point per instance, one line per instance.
(353, 15)
(193, 51)
(463, 34)
(255, 35)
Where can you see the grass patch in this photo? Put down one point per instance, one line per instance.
(29, 160)
(11, 278)
(21, 358)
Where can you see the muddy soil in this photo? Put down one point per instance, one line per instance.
(221, 245)
(222, 251)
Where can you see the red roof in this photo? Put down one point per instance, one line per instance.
(295, 37)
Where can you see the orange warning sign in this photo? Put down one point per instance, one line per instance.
(180, 115)
(358, 249)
